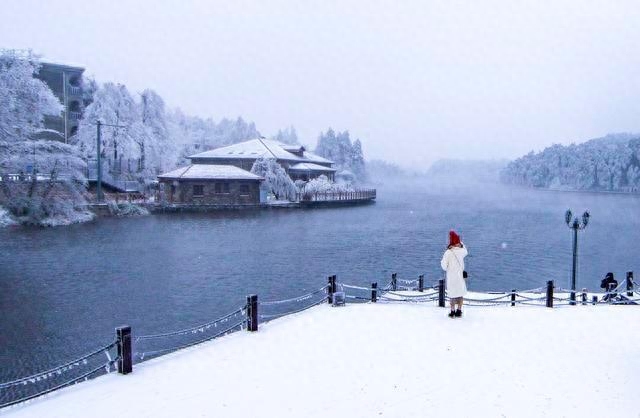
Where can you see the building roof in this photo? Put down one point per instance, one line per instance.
(316, 158)
(345, 173)
(293, 148)
(257, 148)
(59, 67)
(310, 167)
(210, 172)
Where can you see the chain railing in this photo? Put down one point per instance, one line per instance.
(152, 345)
(254, 312)
(69, 373)
(401, 290)
(271, 310)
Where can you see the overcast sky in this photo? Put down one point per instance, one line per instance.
(414, 80)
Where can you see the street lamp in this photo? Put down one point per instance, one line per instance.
(575, 225)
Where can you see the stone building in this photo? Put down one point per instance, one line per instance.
(209, 184)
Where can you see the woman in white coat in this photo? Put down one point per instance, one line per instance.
(453, 263)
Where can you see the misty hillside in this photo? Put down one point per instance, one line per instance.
(611, 163)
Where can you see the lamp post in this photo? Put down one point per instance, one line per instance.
(575, 225)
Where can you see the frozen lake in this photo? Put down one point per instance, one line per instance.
(62, 291)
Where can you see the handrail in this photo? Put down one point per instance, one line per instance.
(55, 369)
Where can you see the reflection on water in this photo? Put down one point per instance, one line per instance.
(63, 290)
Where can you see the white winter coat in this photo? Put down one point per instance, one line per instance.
(453, 263)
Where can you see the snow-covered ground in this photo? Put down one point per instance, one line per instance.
(385, 360)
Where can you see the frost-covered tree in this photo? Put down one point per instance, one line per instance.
(158, 152)
(192, 134)
(275, 177)
(24, 100)
(322, 184)
(357, 160)
(610, 163)
(141, 147)
(287, 136)
(120, 146)
(327, 146)
(42, 180)
(345, 154)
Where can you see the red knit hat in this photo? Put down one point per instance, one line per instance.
(454, 239)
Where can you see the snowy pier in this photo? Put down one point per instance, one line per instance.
(324, 344)
(384, 359)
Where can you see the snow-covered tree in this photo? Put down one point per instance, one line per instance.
(608, 163)
(120, 143)
(345, 154)
(192, 134)
(24, 100)
(158, 151)
(276, 178)
(42, 180)
(141, 147)
(322, 184)
(287, 136)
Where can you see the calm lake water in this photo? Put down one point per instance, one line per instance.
(63, 290)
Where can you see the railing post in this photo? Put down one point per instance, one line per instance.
(374, 292)
(584, 295)
(513, 297)
(252, 313)
(394, 281)
(331, 283)
(441, 293)
(550, 294)
(123, 342)
(421, 283)
(630, 283)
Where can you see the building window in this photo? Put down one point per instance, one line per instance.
(244, 189)
(74, 80)
(222, 188)
(198, 190)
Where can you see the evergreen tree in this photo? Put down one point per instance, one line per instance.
(339, 149)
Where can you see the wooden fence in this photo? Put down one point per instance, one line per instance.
(353, 195)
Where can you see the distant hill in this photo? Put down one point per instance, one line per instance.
(611, 163)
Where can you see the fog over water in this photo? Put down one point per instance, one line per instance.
(63, 290)
(416, 81)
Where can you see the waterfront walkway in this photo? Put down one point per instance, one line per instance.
(384, 360)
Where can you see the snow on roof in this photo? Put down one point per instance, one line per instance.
(210, 171)
(310, 167)
(293, 148)
(345, 173)
(383, 359)
(316, 158)
(256, 148)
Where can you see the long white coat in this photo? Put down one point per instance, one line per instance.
(453, 263)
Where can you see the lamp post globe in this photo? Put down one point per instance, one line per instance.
(576, 225)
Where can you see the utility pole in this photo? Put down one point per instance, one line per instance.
(99, 158)
(575, 225)
(99, 125)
